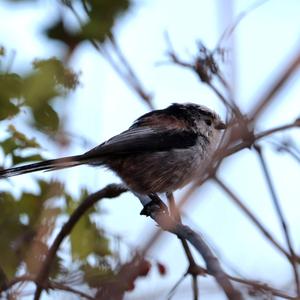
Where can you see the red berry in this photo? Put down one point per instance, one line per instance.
(161, 269)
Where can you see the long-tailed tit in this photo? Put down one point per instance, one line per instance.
(161, 152)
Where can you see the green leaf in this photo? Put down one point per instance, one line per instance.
(51, 189)
(8, 145)
(31, 206)
(16, 159)
(21, 139)
(14, 236)
(17, 140)
(58, 31)
(10, 86)
(46, 118)
(86, 239)
(61, 75)
(95, 275)
(49, 80)
(103, 15)
(2, 51)
(38, 89)
(8, 110)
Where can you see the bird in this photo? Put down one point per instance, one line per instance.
(161, 152)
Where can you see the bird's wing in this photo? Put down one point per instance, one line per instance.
(144, 139)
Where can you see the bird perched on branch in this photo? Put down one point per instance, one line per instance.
(161, 152)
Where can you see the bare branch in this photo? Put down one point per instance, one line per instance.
(229, 150)
(256, 286)
(120, 64)
(184, 232)
(288, 148)
(176, 285)
(62, 287)
(206, 68)
(192, 264)
(228, 31)
(252, 217)
(48, 284)
(284, 225)
(278, 84)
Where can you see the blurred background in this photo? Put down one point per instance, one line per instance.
(46, 114)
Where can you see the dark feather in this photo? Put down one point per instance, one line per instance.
(176, 114)
(47, 165)
(144, 140)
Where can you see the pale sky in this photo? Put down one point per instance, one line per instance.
(263, 40)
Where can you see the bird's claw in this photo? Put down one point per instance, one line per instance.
(155, 205)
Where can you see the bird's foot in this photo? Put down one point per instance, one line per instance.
(156, 204)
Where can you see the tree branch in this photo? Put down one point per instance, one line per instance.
(256, 286)
(252, 217)
(292, 257)
(278, 84)
(192, 264)
(49, 285)
(110, 191)
(120, 64)
(184, 232)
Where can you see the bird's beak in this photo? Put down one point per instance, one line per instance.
(220, 125)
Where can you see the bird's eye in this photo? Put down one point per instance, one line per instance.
(208, 122)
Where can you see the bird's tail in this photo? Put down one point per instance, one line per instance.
(47, 165)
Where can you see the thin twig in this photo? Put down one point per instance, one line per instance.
(227, 150)
(206, 68)
(226, 263)
(192, 264)
(262, 287)
(251, 216)
(258, 286)
(284, 225)
(16, 280)
(277, 85)
(228, 104)
(228, 31)
(59, 286)
(49, 285)
(224, 152)
(121, 65)
(184, 232)
(176, 285)
(201, 270)
(282, 146)
(125, 71)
